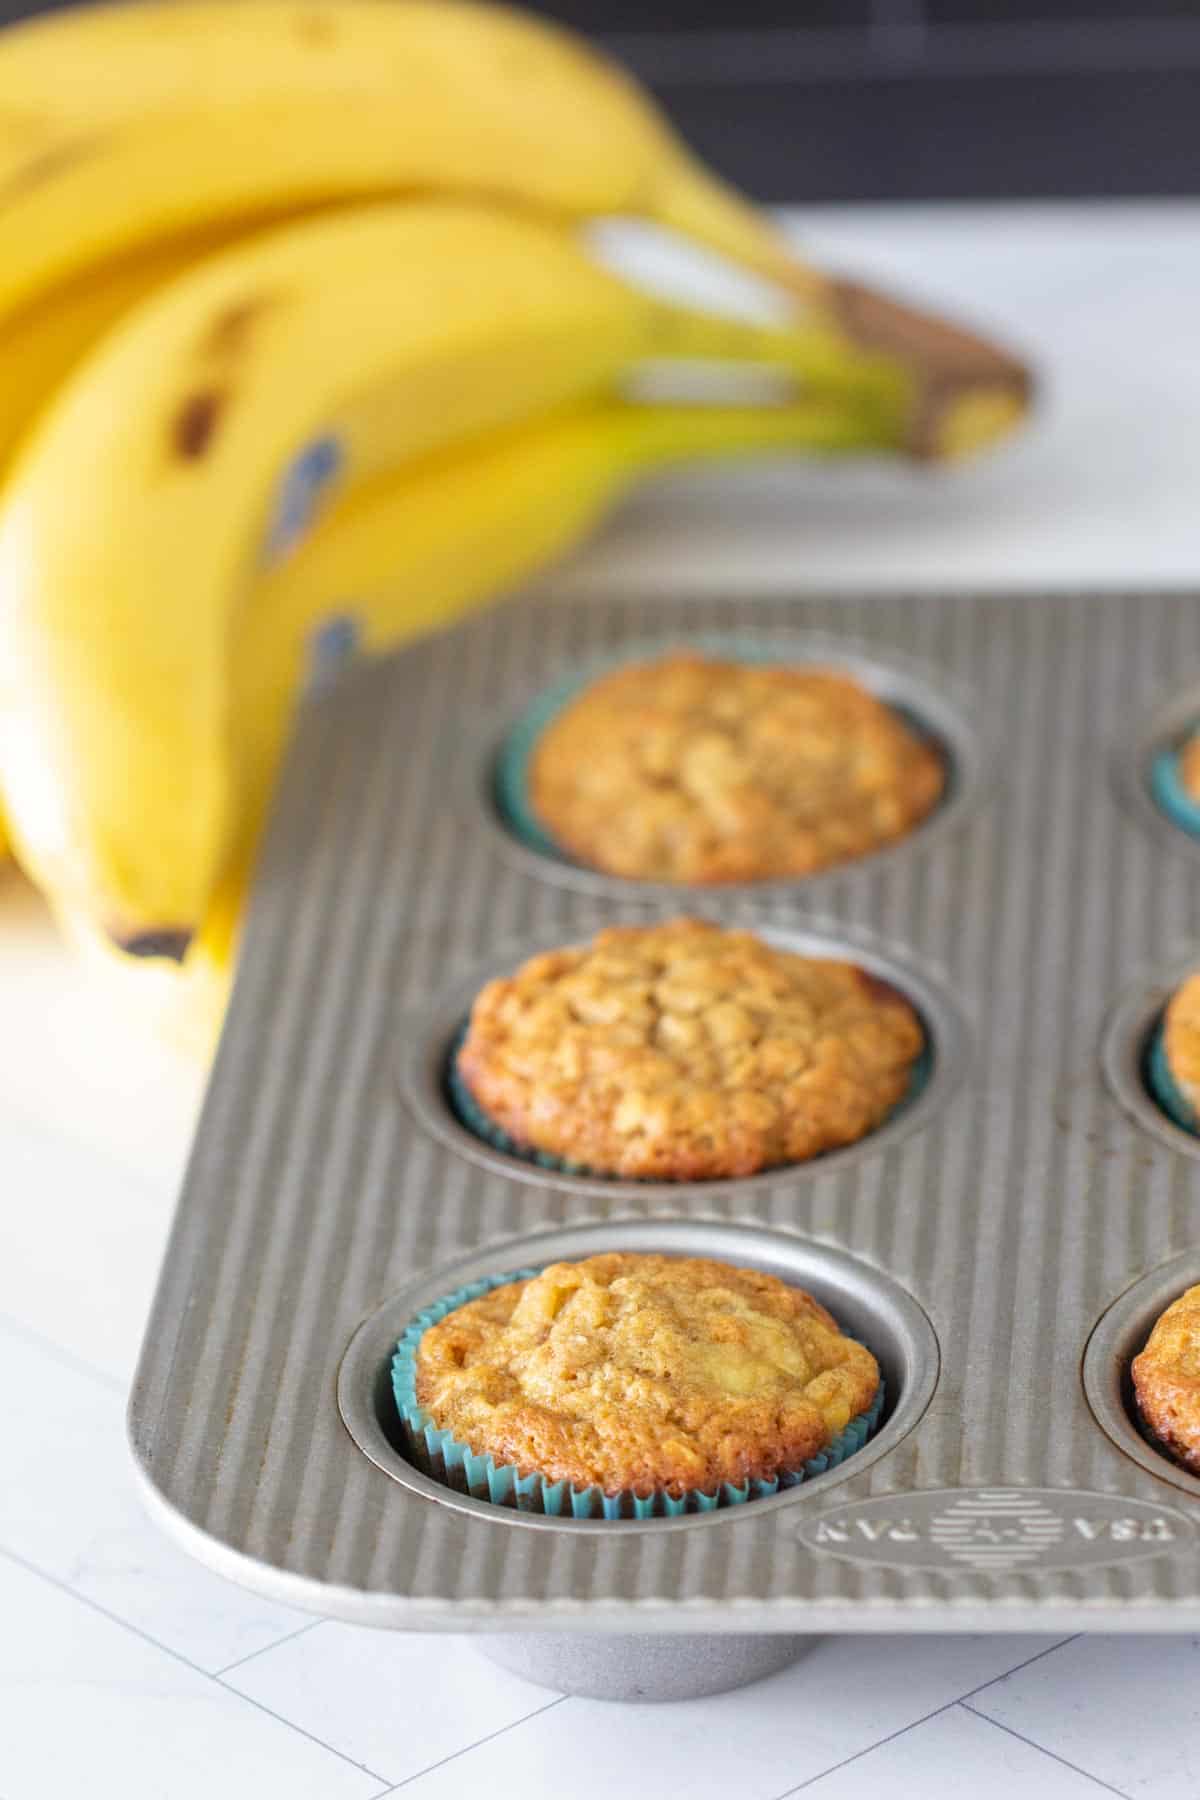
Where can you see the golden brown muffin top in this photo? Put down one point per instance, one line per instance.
(1166, 1379)
(1181, 1039)
(644, 1372)
(683, 1051)
(690, 769)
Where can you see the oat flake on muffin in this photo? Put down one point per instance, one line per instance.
(684, 1051)
(1166, 1380)
(694, 770)
(645, 1372)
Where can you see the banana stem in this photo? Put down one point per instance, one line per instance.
(961, 392)
(816, 359)
(650, 438)
(690, 199)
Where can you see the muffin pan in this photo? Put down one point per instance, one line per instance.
(978, 1242)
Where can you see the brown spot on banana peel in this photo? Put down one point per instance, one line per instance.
(43, 165)
(316, 29)
(967, 392)
(232, 329)
(195, 423)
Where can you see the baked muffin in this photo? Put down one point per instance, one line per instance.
(689, 769)
(1189, 768)
(1181, 1051)
(682, 1051)
(644, 1373)
(1166, 1379)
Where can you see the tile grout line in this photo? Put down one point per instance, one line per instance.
(994, 1680)
(1041, 1748)
(467, 1748)
(300, 1730)
(958, 1700)
(240, 1662)
(177, 1656)
(57, 1353)
(37, 1340)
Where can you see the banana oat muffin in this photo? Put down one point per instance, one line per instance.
(1181, 1042)
(693, 770)
(644, 1372)
(683, 1051)
(1166, 1379)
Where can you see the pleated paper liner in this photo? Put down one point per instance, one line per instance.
(468, 1112)
(1166, 786)
(510, 780)
(440, 1455)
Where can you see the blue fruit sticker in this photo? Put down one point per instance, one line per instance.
(300, 492)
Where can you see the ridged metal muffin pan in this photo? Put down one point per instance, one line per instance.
(978, 1245)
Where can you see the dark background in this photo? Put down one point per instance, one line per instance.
(813, 100)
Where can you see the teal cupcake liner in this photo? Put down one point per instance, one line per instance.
(468, 1112)
(1169, 793)
(510, 781)
(1163, 1085)
(440, 1455)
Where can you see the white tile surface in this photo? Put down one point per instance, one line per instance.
(81, 1238)
(1125, 1709)
(88, 1707)
(953, 1753)
(398, 1703)
(86, 1063)
(96, 1113)
(842, 1698)
(68, 1505)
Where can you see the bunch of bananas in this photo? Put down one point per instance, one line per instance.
(295, 318)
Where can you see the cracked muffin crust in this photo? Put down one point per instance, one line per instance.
(684, 1051)
(1181, 1040)
(1166, 1379)
(645, 1372)
(689, 769)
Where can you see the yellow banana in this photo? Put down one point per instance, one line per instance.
(405, 553)
(121, 124)
(165, 114)
(41, 344)
(187, 450)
